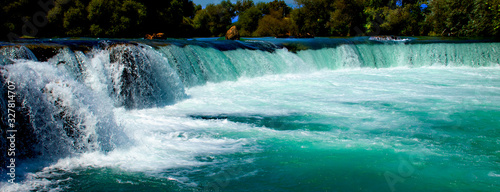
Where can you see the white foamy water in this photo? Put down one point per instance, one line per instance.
(219, 117)
(364, 109)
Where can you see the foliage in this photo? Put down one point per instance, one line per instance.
(98, 18)
(214, 19)
(167, 16)
(249, 21)
(242, 5)
(112, 18)
(462, 17)
(312, 16)
(182, 18)
(347, 15)
(14, 15)
(494, 7)
(272, 26)
(68, 17)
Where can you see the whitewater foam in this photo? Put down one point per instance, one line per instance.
(157, 110)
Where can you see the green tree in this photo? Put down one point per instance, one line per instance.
(272, 26)
(382, 3)
(279, 9)
(448, 18)
(69, 18)
(249, 21)
(394, 17)
(346, 18)
(168, 16)
(414, 25)
(181, 18)
(242, 5)
(312, 16)
(275, 22)
(478, 24)
(4, 25)
(214, 20)
(115, 19)
(264, 7)
(17, 17)
(494, 7)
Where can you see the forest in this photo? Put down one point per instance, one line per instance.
(183, 18)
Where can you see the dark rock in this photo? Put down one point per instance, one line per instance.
(44, 52)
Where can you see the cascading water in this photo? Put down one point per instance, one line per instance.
(141, 77)
(159, 107)
(64, 116)
(68, 99)
(17, 52)
(199, 65)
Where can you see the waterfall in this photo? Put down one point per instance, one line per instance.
(141, 77)
(65, 103)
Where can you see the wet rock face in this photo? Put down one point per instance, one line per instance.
(232, 34)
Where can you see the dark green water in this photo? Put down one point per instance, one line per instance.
(418, 121)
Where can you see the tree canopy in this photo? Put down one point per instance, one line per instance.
(182, 18)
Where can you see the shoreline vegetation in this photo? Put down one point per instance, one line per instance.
(304, 19)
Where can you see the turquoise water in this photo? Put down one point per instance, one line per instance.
(341, 123)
